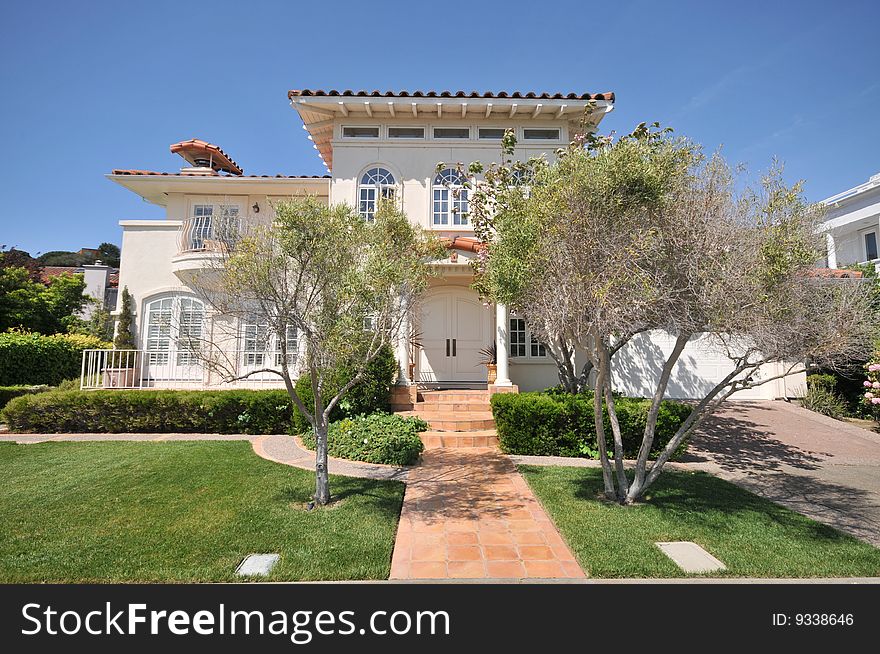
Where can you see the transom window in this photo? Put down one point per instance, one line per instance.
(523, 344)
(450, 199)
(452, 132)
(406, 132)
(541, 134)
(173, 329)
(360, 132)
(375, 183)
(493, 133)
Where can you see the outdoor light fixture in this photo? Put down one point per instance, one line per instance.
(256, 207)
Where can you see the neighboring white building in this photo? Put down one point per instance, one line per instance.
(852, 225)
(377, 144)
(101, 284)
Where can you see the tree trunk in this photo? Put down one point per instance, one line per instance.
(638, 485)
(600, 436)
(620, 471)
(322, 475)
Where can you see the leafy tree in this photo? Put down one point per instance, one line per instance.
(14, 258)
(109, 254)
(343, 286)
(645, 233)
(124, 339)
(63, 258)
(99, 323)
(45, 308)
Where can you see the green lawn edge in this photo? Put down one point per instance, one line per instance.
(107, 512)
(752, 536)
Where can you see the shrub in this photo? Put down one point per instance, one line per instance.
(823, 381)
(371, 394)
(820, 399)
(557, 424)
(870, 400)
(30, 358)
(224, 412)
(9, 392)
(124, 339)
(376, 438)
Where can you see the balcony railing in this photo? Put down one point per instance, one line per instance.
(209, 234)
(135, 369)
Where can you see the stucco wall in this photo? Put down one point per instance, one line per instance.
(636, 369)
(414, 163)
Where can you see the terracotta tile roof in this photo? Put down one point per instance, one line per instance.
(47, 272)
(462, 243)
(132, 171)
(609, 96)
(835, 273)
(196, 148)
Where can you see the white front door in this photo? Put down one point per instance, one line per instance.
(454, 328)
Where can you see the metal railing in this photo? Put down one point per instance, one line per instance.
(209, 234)
(136, 369)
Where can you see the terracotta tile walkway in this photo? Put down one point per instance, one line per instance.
(469, 514)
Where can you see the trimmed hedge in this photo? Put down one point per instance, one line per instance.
(372, 394)
(562, 425)
(115, 411)
(9, 392)
(30, 358)
(376, 438)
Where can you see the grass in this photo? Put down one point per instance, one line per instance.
(752, 536)
(181, 512)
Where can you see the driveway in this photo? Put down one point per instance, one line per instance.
(826, 469)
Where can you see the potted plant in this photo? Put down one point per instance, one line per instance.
(489, 359)
(121, 365)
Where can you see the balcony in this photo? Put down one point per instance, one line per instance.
(202, 241)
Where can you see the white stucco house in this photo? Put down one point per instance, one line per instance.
(852, 225)
(375, 144)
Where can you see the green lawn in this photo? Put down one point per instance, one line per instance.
(183, 511)
(752, 536)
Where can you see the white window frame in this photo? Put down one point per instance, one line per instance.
(530, 345)
(370, 192)
(378, 129)
(261, 348)
(555, 139)
(162, 337)
(388, 136)
(492, 138)
(454, 196)
(205, 214)
(864, 243)
(454, 139)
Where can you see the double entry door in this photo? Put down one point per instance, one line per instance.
(454, 328)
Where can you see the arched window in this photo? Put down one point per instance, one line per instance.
(375, 183)
(450, 199)
(173, 331)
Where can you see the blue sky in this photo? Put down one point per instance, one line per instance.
(90, 86)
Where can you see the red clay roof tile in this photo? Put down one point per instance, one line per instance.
(832, 273)
(132, 171)
(609, 96)
(194, 148)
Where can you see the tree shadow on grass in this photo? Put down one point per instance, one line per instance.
(737, 443)
(369, 490)
(703, 501)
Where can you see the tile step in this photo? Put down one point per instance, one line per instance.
(438, 439)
